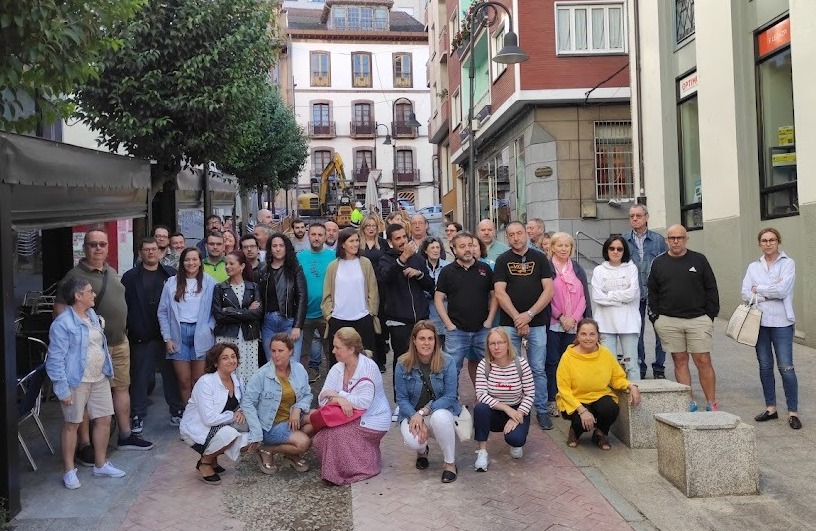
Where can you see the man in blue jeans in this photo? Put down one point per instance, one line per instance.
(645, 245)
(523, 286)
(468, 286)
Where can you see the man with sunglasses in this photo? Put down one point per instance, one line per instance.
(683, 302)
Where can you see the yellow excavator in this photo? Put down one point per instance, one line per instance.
(335, 205)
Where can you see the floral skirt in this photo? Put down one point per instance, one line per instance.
(348, 453)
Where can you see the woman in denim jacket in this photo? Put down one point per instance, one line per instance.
(276, 406)
(427, 385)
(80, 368)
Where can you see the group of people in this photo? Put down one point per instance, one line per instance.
(343, 294)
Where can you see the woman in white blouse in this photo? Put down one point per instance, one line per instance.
(770, 279)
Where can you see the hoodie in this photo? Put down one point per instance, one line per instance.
(585, 378)
(616, 298)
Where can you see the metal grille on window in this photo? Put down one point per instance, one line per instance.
(614, 178)
(684, 19)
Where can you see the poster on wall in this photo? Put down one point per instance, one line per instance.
(191, 224)
(79, 252)
(785, 134)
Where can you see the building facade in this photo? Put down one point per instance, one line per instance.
(357, 76)
(553, 135)
(720, 131)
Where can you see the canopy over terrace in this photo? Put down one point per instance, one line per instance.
(45, 184)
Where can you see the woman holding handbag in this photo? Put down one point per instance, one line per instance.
(276, 405)
(350, 452)
(427, 386)
(770, 279)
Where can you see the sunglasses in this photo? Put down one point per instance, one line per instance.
(616, 249)
(97, 245)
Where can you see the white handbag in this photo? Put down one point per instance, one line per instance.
(463, 424)
(743, 327)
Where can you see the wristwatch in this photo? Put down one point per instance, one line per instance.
(421, 412)
(530, 314)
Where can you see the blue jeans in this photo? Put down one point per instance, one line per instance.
(660, 354)
(460, 345)
(275, 323)
(487, 419)
(536, 357)
(624, 347)
(779, 341)
(557, 343)
(315, 344)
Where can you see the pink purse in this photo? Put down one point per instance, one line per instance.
(331, 415)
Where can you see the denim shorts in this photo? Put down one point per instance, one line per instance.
(186, 351)
(278, 434)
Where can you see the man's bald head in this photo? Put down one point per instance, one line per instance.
(265, 216)
(486, 231)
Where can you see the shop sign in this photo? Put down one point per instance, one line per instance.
(774, 38)
(688, 85)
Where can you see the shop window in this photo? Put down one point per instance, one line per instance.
(691, 191)
(592, 28)
(777, 139)
(614, 178)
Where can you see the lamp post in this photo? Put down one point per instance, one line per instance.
(386, 142)
(509, 54)
(412, 122)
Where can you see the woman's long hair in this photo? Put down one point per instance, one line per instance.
(290, 262)
(410, 359)
(242, 259)
(181, 275)
(361, 232)
(511, 350)
(212, 355)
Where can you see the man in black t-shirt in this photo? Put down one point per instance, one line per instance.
(468, 286)
(524, 288)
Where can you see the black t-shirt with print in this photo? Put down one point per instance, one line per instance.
(523, 275)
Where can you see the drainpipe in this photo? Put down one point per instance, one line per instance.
(639, 106)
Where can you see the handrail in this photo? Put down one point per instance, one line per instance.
(599, 242)
(578, 254)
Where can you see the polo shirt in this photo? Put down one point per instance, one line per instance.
(468, 292)
(217, 271)
(523, 275)
(112, 306)
(495, 250)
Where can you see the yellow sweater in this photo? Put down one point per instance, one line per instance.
(584, 378)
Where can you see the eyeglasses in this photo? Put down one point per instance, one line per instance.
(675, 238)
(496, 343)
(150, 250)
(768, 241)
(97, 245)
(248, 247)
(616, 249)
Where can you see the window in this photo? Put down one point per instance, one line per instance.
(362, 120)
(361, 69)
(497, 42)
(614, 178)
(683, 21)
(404, 166)
(481, 78)
(321, 123)
(590, 28)
(691, 186)
(777, 140)
(321, 73)
(402, 114)
(456, 109)
(363, 160)
(403, 73)
(320, 159)
(359, 18)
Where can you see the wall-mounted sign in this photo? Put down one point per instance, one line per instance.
(786, 136)
(688, 85)
(773, 38)
(544, 171)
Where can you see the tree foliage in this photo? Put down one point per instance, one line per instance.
(48, 48)
(185, 81)
(273, 147)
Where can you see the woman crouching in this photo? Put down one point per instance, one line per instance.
(276, 405)
(427, 387)
(213, 409)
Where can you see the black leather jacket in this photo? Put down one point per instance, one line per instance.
(290, 294)
(231, 314)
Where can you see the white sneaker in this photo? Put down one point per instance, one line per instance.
(108, 470)
(395, 415)
(70, 480)
(481, 461)
(516, 452)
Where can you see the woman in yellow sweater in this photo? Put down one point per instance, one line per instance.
(587, 374)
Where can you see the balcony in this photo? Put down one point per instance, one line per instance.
(444, 45)
(403, 130)
(406, 176)
(322, 130)
(360, 178)
(362, 129)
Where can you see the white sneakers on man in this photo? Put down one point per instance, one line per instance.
(70, 480)
(481, 461)
(516, 452)
(108, 470)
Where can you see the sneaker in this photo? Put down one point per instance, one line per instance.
(544, 422)
(133, 442)
(713, 406)
(395, 415)
(516, 452)
(175, 420)
(481, 461)
(108, 470)
(314, 374)
(693, 406)
(659, 376)
(70, 480)
(136, 424)
(85, 455)
(553, 407)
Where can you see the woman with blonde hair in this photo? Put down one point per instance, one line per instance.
(373, 246)
(504, 397)
(426, 388)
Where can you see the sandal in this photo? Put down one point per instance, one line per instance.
(214, 479)
(572, 439)
(266, 468)
(422, 460)
(218, 468)
(448, 476)
(601, 441)
(299, 465)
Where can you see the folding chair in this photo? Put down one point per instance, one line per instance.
(29, 392)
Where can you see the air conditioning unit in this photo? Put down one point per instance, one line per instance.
(484, 114)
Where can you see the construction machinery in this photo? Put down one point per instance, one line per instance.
(328, 198)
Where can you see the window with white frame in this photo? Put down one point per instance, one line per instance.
(359, 18)
(591, 28)
(456, 108)
(497, 42)
(614, 176)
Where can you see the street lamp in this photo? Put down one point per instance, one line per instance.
(413, 123)
(510, 53)
(386, 142)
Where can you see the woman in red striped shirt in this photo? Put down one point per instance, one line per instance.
(504, 396)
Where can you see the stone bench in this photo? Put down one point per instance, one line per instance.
(635, 426)
(707, 454)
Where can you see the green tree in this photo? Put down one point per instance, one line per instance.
(185, 81)
(48, 48)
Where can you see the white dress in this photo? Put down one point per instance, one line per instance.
(247, 350)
